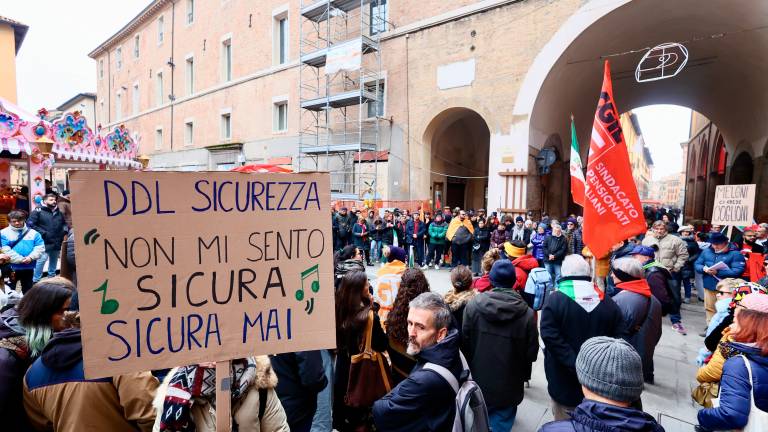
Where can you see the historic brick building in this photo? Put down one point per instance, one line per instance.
(468, 92)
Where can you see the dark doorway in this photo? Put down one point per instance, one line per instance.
(460, 147)
(741, 171)
(454, 196)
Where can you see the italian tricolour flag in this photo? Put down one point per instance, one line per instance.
(577, 170)
(583, 292)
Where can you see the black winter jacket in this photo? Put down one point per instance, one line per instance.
(565, 325)
(482, 241)
(300, 377)
(557, 246)
(693, 254)
(425, 401)
(50, 224)
(13, 365)
(500, 319)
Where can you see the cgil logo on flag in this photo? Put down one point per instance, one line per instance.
(612, 210)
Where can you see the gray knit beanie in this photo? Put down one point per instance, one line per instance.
(610, 368)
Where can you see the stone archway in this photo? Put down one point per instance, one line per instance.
(548, 97)
(459, 139)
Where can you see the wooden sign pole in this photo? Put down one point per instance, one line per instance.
(223, 396)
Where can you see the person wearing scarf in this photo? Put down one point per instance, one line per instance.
(641, 311)
(576, 311)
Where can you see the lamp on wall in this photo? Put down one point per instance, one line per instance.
(45, 145)
(144, 161)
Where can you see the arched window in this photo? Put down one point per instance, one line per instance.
(704, 146)
(720, 155)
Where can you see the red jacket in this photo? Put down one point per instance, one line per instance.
(523, 266)
(481, 284)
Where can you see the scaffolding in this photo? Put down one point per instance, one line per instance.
(340, 92)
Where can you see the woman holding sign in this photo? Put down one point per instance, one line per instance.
(24, 332)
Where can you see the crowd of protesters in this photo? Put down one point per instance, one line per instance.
(517, 287)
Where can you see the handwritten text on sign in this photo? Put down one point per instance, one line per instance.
(734, 205)
(180, 268)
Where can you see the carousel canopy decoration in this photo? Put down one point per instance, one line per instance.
(72, 137)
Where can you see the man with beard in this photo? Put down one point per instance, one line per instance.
(424, 401)
(49, 222)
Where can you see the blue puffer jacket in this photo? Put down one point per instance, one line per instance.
(735, 390)
(732, 257)
(597, 416)
(424, 401)
(537, 240)
(31, 246)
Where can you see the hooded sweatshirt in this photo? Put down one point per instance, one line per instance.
(501, 319)
(58, 396)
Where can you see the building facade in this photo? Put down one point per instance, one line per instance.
(85, 103)
(639, 155)
(471, 91)
(12, 35)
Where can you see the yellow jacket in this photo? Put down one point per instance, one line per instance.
(713, 371)
(455, 224)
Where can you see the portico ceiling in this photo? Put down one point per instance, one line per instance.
(726, 78)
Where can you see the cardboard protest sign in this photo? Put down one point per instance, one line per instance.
(734, 205)
(179, 268)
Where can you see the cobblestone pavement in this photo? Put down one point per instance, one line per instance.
(675, 371)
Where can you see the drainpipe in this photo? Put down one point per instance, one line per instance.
(408, 115)
(172, 65)
(109, 88)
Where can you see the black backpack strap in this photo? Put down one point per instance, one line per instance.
(639, 325)
(263, 394)
(18, 240)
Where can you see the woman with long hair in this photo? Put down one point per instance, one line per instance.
(24, 332)
(353, 304)
(744, 383)
(412, 284)
(41, 311)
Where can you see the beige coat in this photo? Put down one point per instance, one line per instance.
(246, 411)
(123, 403)
(672, 252)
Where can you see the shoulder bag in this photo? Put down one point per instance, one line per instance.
(369, 374)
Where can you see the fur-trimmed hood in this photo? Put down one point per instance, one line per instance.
(456, 301)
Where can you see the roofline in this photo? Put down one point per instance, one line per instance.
(145, 13)
(19, 31)
(85, 95)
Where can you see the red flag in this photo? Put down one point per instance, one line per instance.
(612, 209)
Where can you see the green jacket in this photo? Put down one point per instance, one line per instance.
(437, 233)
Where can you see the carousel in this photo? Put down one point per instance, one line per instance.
(34, 152)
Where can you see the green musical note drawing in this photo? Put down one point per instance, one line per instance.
(108, 306)
(314, 285)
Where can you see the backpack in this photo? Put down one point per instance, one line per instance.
(471, 411)
(539, 284)
(462, 236)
